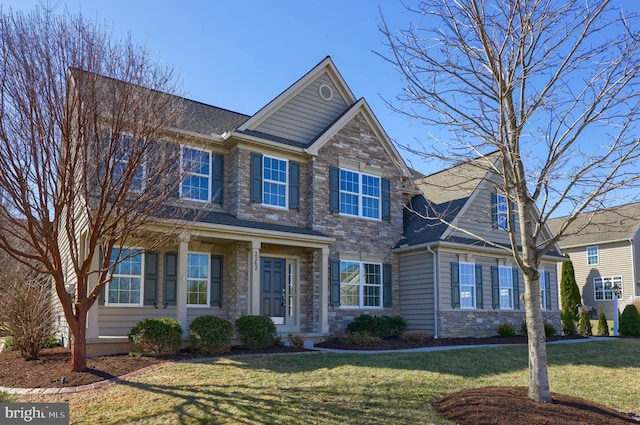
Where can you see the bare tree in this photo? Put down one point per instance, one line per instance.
(26, 310)
(82, 167)
(553, 87)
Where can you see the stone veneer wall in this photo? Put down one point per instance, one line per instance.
(235, 292)
(478, 323)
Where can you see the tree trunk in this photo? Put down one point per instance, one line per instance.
(79, 344)
(538, 372)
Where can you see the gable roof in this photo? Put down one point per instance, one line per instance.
(601, 226)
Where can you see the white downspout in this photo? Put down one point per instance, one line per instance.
(436, 290)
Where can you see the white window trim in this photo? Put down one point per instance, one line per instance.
(501, 286)
(543, 291)
(502, 200)
(597, 255)
(184, 173)
(286, 183)
(208, 303)
(142, 270)
(473, 288)
(115, 161)
(360, 195)
(361, 285)
(614, 279)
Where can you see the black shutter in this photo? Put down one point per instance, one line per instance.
(256, 177)
(170, 278)
(217, 179)
(479, 295)
(547, 290)
(516, 289)
(151, 278)
(334, 189)
(294, 185)
(335, 283)
(387, 289)
(216, 281)
(455, 285)
(495, 288)
(386, 199)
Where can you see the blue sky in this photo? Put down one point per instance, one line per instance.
(239, 55)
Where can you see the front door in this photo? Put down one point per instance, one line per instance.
(273, 288)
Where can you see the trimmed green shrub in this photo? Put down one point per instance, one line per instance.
(384, 327)
(506, 330)
(603, 325)
(50, 342)
(256, 331)
(584, 326)
(630, 321)
(156, 337)
(211, 334)
(549, 329)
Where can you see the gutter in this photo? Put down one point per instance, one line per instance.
(436, 290)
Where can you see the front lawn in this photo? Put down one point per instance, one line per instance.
(350, 388)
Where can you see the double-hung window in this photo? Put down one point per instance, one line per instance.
(506, 287)
(360, 194)
(274, 182)
(125, 287)
(198, 279)
(360, 284)
(121, 172)
(196, 171)
(467, 285)
(592, 255)
(603, 287)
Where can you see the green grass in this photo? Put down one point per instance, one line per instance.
(396, 388)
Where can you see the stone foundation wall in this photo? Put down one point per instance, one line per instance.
(479, 323)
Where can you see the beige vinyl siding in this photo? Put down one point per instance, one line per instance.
(306, 115)
(615, 259)
(118, 321)
(417, 291)
(636, 264)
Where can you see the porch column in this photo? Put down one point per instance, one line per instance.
(324, 291)
(254, 278)
(181, 291)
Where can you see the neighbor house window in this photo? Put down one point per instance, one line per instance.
(274, 182)
(543, 288)
(467, 285)
(360, 284)
(506, 287)
(359, 194)
(125, 287)
(196, 170)
(198, 279)
(603, 287)
(592, 255)
(121, 165)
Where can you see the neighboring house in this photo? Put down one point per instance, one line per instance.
(303, 204)
(454, 284)
(604, 248)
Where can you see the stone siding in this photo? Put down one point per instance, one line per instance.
(478, 323)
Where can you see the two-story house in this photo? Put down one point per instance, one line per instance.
(456, 280)
(603, 246)
(301, 204)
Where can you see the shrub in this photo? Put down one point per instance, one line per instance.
(9, 343)
(506, 330)
(630, 321)
(603, 325)
(359, 338)
(156, 337)
(211, 334)
(570, 298)
(549, 329)
(50, 342)
(6, 397)
(417, 337)
(296, 341)
(256, 331)
(568, 323)
(584, 326)
(384, 327)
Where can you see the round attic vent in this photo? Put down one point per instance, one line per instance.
(325, 92)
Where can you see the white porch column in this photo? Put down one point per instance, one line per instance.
(324, 291)
(254, 278)
(181, 290)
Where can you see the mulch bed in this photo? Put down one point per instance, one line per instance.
(486, 405)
